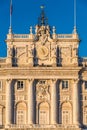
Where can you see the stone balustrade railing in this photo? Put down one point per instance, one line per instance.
(20, 35)
(60, 36)
(40, 126)
(83, 62)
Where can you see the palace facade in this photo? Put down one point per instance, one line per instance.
(43, 81)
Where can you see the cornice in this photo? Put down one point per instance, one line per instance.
(32, 40)
(19, 40)
(40, 72)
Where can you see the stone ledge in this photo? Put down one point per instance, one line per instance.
(43, 129)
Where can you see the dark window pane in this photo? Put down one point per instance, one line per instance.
(64, 84)
(85, 84)
(20, 84)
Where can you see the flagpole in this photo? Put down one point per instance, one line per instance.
(75, 19)
(10, 28)
(10, 14)
(74, 13)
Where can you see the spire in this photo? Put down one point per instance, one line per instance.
(42, 19)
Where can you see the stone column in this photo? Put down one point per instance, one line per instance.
(76, 111)
(53, 102)
(8, 102)
(31, 112)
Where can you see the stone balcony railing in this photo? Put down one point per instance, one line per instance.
(61, 36)
(28, 36)
(42, 126)
(20, 36)
(83, 62)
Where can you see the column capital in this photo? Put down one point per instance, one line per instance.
(9, 80)
(54, 80)
(75, 81)
(30, 80)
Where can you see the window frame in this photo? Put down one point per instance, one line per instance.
(65, 84)
(85, 85)
(21, 85)
(85, 116)
(21, 113)
(1, 117)
(65, 114)
(0, 85)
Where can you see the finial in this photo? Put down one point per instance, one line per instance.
(31, 30)
(54, 30)
(36, 29)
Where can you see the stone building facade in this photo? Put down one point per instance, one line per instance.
(43, 81)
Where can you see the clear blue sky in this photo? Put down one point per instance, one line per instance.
(59, 13)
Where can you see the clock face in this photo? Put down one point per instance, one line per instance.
(42, 52)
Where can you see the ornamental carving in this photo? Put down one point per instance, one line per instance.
(54, 51)
(20, 49)
(42, 91)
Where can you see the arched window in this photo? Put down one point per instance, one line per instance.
(44, 113)
(66, 113)
(21, 113)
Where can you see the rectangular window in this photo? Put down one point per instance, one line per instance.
(66, 117)
(86, 85)
(42, 82)
(43, 117)
(0, 85)
(20, 85)
(0, 116)
(21, 117)
(85, 117)
(64, 84)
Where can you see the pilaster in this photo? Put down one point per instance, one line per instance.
(31, 112)
(8, 102)
(76, 107)
(53, 102)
